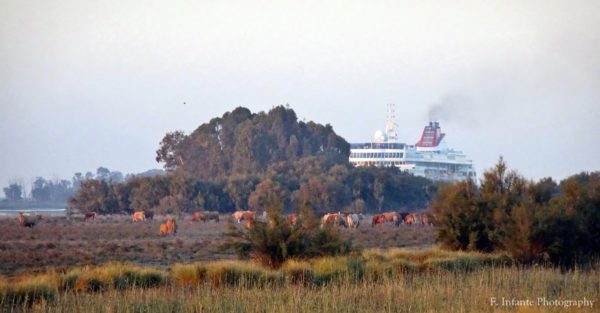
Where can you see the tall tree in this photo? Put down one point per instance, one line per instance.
(14, 192)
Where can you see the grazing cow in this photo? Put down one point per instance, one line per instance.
(28, 221)
(164, 229)
(211, 216)
(378, 219)
(409, 219)
(168, 228)
(353, 220)
(240, 216)
(334, 219)
(412, 219)
(248, 224)
(426, 220)
(403, 216)
(198, 216)
(417, 219)
(90, 216)
(293, 219)
(149, 215)
(171, 225)
(138, 216)
(392, 217)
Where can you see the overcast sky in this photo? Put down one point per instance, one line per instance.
(98, 83)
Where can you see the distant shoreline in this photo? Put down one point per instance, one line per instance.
(43, 211)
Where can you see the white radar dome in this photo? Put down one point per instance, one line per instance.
(380, 136)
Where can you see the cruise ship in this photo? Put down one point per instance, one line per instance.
(429, 157)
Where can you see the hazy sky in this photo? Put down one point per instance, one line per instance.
(90, 83)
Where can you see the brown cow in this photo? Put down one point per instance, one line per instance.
(240, 216)
(90, 216)
(293, 218)
(170, 227)
(409, 219)
(403, 216)
(426, 220)
(378, 219)
(417, 219)
(392, 217)
(334, 219)
(138, 216)
(197, 216)
(164, 229)
(28, 221)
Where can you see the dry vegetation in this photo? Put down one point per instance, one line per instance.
(50, 268)
(395, 280)
(58, 242)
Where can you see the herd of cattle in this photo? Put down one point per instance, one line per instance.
(346, 220)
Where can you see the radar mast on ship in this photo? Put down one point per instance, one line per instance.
(390, 124)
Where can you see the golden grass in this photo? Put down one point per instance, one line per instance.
(398, 280)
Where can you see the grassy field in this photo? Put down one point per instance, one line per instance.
(58, 242)
(395, 280)
(113, 265)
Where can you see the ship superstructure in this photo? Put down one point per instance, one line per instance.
(429, 157)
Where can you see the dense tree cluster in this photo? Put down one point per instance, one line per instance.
(243, 143)
(244, 161)
(13, 192)
(532, 221)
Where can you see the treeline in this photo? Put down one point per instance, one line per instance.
(53, 193)
(247, 161)
(533, 221)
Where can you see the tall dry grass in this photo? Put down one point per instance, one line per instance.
(401, 280)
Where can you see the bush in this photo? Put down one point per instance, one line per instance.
(274, 242)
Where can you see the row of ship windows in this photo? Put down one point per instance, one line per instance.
(378, 155)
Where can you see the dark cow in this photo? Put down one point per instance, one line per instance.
(90, 216)
(28, 221)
